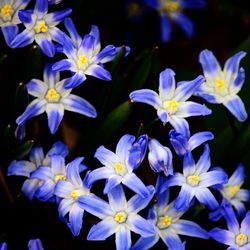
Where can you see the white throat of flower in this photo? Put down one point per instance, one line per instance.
(164, 221)
(220, 86)
(171, 106)
(53, 95)
(120, 217)
(82, 62)
(120, 168)
(241, 239)
(6, 12)
(41, 27)
(170, 6)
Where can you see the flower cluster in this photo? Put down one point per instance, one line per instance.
(184, 175)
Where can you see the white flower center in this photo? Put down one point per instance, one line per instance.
(75, 194)
(120, 168)
(231, 191)
(41, 27)
(193, 180)
(52, 95)
(164, 222)
(171, 106)
(241, 239)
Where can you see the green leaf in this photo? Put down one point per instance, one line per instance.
(112, 124)
(24, 149)
(3, 57)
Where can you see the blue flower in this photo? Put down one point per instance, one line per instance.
(36, 159)
(118, 167)
(195, 181)
(84, 55)
(222, 86)
(119, 216)
(40, 26)
(3, 246)
(9, 19)
(237, 237)
(171, 102)
(168, 224)
(182, 144)
(160, 158)
(53, 99)
(173, 10)
(69, 191)
(35, 244)
(54, 1)
(233, 193)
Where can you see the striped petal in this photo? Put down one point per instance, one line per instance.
(24, 38)
(204, 196)
(35, 244)
(123, 239)
(30, 186)
(111, 183)
(9, 33)
(117, 199)
(213, 178)
(123, 147)
(145, 243)
(98, 72)
(188, 109)
(210, 65)
(103, 229)
(41, 8)
(189, 228)
(57, 16)
(79, 105)
(135, 184)
(204, 162)
(137, 202)
(106, 55)
(72, 31)
(23, 168)
(197, 139)
(184, 198)
(141, 226)
(64, 207)
(95, 206)
(167, 84)
(74, 81)
(106, 157)
(87, 46)
(235, 105)
(237, 84)
(146, 96)
(231, 67)
(55, 114)
(186, 89)
(37, 88)
(223, 236)
(180, 125)
(63, 189)
(75, 219)
(36, 107)
(46, 45)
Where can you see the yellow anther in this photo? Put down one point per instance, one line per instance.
(41, 27)
(241, 239)
(120, 217)
(231, 191)
(220, 84)
(6, 10)
(120, 168)
(75, 194)
(171, 106)
(171, 6)
(193, 180)
(82, 61)
(60, 177)
(164, 222)
(52, 95)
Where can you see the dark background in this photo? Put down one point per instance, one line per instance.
(223, 27)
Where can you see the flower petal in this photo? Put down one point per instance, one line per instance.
(64, 207)
(111, 183)
(123, 147)
(106, 157)
(95, 205)
(46, 45)
(9, 33)
(199, 138)
(74, 81)
(123, 239)
(42, 173)
(166, 28)
(36, 107)
(184, 198)
(23, 168)
(204, 162)
(135, 184)
(99, 174)
(235, 105)
(223, 236)
(99, 72)
(205, 196)
(184, 23)
(63, 189)
(55, 112)
(37, 88)
(213, 178)
(35, 244)
(117, 199)
(41, 8)
(145, 243)
(24, 38)
(72, 31)
(180, 125)
(146, 96)
(167, 84)
(75, 219)
(103, 229)
(188, 109)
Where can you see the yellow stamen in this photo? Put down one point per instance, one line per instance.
(120, 217)
(52, 95)
(75, 194)
(241, 239)
(232, 190)
(41, 27)
(60, 177)
(193, 180)
(82, 61)
(164, 222)
(171, 6)
(120, 168)
(171, 106)
(6, 10)
(220, 84)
